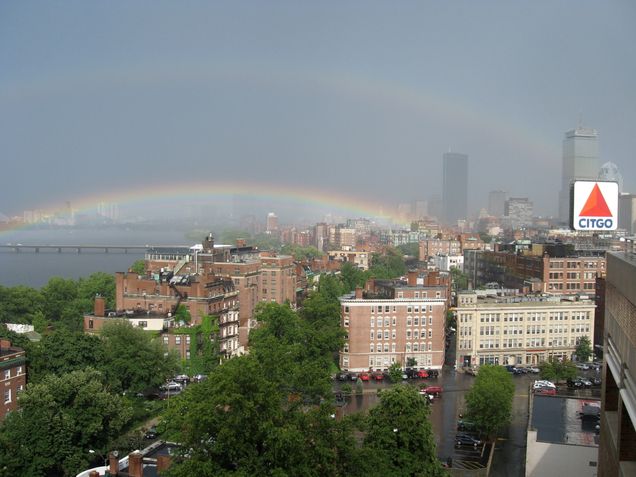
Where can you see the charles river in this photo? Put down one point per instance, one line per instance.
(35, 269)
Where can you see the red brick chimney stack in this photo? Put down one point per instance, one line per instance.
(412, 278)
(358, 293)
(100, 306)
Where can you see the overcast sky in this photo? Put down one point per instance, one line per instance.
(361, 97)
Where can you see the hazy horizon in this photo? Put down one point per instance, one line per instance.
(356, 100)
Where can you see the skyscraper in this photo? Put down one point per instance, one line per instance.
(455, 187)
(497, 202)
(580, 161)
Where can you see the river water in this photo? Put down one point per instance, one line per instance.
(35, 269)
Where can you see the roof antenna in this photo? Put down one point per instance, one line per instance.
(580, 121)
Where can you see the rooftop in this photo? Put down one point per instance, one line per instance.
(558, 420)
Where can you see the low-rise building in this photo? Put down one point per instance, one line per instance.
(517, 329)
(393, 320)
(12, 376)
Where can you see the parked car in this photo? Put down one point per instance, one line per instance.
(514, 370)
(533, 370)
(596, 381)
(471, 371)
(199, 377)
(432, 373)
(542, 383)
(353, 376)
(575, 383)
(545, 392)
(464, 425)
(422, 373)
(463, 439)
(151, 433)
(182, 378)
(586, 382)
(583, 366)
(364, 376)
(171, 386)
(434, 390)
(378, 376)
(344, 376)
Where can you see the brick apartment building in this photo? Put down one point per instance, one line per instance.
(12, 376)
(519, 330)
(432, 247)
(391, 321)
(542, 268)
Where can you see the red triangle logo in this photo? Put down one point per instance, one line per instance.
(595, 205)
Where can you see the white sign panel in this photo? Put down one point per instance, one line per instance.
(595, 205)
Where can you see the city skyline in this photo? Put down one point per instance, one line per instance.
(92, 103)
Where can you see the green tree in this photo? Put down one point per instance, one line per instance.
(459, 278)
(133, 360)
(411, 362)
(243, 421)
(205, 353)
(59, 420)
(20, 304)
(399, 439)
(411, 249)
(182, 315)
(138, 267)
(584, 349)
(557, 370)
(395, 372)
(100, 283)
(58, 294)
(352, 277)
(389, 265)
(489, 401)
(301, 253)
(63, 352)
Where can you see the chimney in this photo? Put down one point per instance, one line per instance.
(100, 306)
(5, 344)
(113, 463)
(358, 293)
(412, 278)
(163, 463)
(93, 473)
(136, 464)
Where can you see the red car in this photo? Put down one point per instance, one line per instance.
(422, 373)
(545, 391)
(434, 390)
(378, 376)
(364, 376)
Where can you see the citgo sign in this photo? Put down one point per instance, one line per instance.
(594, 205)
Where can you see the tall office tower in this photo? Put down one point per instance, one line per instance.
(455, 187)
(617, 446)
(497, 202)
(580, 161)
(272, 223)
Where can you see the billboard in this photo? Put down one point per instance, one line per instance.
(594, 205)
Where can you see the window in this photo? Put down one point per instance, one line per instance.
(7, 373)
(188, 339)
(346, 309)
(19, 371)
(430, 333)
(416, 347)
(372, 348)
(177, 340)
(7, 396)
(346, 323)
(188, 354)
(430, 320)
(409, 320)
(372, 335)
(416, 320)
(409, 309)
(379, 321)
(143, 324)
(386, 321)
(386, 334)
(372, 322)
(386, 347)
(392, 334)
(90, 324)
(165, 340)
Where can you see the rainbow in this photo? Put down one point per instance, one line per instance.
(208, 192)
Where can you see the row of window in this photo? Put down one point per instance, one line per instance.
(516, 343)
(18, 372)
(393, 308)
(415, 333)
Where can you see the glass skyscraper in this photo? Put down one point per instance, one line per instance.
(455, 187)
(580, 161)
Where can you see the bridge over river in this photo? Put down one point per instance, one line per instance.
(34, 248)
